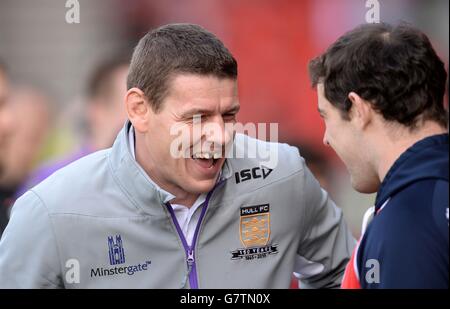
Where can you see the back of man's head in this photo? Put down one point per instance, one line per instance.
(394, 68)
(106, 90)
(173, 49)
(101, 80)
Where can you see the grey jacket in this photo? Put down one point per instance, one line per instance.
(101, 223)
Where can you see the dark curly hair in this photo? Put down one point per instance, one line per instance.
(394, 68)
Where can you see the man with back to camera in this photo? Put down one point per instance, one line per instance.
(136, 216)
(380, 92)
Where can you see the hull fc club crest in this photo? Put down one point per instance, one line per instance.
(254, 230)
(255, 225)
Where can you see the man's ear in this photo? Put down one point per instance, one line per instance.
(138, 109)
(361, 111)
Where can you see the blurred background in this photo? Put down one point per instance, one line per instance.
(68, 79)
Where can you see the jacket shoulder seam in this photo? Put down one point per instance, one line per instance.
(52, 228)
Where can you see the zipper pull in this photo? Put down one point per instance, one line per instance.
(190, 260)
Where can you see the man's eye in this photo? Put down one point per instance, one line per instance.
(229, 116)
(196, 118)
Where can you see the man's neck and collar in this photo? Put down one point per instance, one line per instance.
(392, 147)
(407, 157)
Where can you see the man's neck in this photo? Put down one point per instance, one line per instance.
(392, 148)
(181, 197)
(187, 201)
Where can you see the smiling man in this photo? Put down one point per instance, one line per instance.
(381, 94)
(160, 211)
(215, 100)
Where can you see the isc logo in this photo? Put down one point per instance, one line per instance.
(256, 172)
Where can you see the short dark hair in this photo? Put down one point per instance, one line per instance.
(100, 80)
(177, 48)
(394, 68)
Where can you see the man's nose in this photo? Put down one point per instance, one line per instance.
(218, 133)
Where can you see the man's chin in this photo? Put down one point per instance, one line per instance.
(201, 186)
(365, 186)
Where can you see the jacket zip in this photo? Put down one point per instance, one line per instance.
(189, 250)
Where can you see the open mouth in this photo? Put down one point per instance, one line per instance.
(206, 160)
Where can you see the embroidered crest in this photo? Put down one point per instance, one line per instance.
(255, 225)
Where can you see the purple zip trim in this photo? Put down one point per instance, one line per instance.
(189, 250)
(193, 280)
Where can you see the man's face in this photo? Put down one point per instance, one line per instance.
(5, 118)
(348, 143)
(213, 101)
(30, 111)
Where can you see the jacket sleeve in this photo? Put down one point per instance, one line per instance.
(28, 252)
(327, 243)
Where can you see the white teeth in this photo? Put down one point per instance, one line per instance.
(207, 155)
